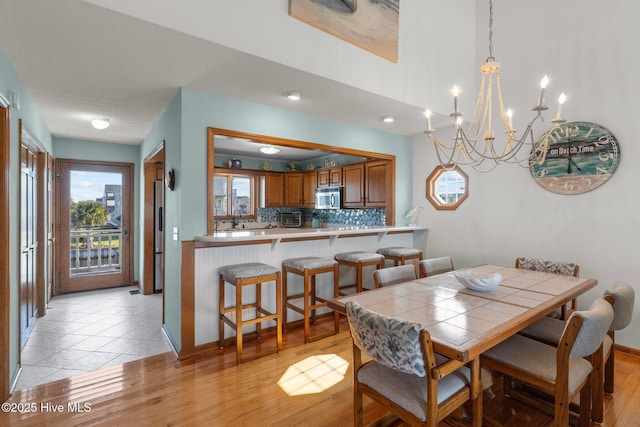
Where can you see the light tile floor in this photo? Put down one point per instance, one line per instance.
(88, 330)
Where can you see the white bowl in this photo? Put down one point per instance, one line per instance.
(478, 281)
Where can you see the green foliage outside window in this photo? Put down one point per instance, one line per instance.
(88, 213)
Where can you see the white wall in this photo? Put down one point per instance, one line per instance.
(435, 42)
(588, 49)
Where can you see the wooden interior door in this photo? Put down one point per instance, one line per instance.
(153, 171)
(51, 229)
(98, 255)
(28, 237)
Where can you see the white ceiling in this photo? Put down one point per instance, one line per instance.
(78, 60)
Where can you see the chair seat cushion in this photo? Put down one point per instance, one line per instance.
(309, 263)
(247, 270)
(538, 358)
(399, 251)
(410, 391)
(358, 256)
(547, 329)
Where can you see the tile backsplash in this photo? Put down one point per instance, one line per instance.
(338, 216)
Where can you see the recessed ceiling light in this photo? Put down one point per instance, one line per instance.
(100, 123)
(270, 149)
(293, 95)
(388, 119)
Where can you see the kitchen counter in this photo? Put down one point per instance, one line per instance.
(275, 235)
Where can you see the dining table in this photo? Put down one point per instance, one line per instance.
(463, 323)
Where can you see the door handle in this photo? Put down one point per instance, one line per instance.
(125, 232)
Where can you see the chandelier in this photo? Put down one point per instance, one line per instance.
(476, 145)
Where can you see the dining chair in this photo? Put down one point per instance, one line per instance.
(392, 275)
(433, 266)
(404, 374)
(563, 372)
(549, 330)
(557, 267)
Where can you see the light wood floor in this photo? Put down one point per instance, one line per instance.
(213, 391)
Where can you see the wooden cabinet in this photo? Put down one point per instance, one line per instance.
(365, 184)
(375, 190)
(310, 181)
(274, 191)
(330, 177)
(353, 179)
(293, 189)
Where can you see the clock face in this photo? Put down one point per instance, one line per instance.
(581, 156)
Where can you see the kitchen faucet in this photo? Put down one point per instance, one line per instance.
(234, 221)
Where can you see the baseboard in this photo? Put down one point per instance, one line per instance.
(627, 350)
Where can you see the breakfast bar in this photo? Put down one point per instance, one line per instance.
(271, 246)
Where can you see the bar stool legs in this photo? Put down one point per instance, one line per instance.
(241, 275)
(308, 268)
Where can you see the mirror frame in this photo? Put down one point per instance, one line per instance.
(212, 132)
(432, 180)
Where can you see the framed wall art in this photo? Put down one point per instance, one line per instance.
(369, 24)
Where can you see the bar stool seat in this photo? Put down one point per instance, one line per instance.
(399, 255)
(240, 275)
(308, 268)
(358, 260)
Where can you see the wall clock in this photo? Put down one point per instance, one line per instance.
(581, 157)
(170, 180)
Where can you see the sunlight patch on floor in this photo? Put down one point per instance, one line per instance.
(313, 374)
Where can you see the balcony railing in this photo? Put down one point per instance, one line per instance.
(95, 251)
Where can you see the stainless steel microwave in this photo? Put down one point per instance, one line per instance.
(329, 198)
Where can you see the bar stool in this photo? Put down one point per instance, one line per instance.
(240, 275)
(358, 260)
(400, 255)
(308, 268)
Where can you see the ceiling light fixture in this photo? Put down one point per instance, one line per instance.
(269, 149)
(293, 95)
(388, 119)
(100, 123)
(471, 147)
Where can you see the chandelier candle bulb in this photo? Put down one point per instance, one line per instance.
(456, 91)
(543, 85)
(510, 116)
(561, 100)
(427, 114)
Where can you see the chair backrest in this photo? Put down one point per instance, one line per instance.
(389, 341)
(623, 300)
(595, 324)
(392, 275)
(566, 268)
(433, 266)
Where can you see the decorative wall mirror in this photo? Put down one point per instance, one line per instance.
(447, 187)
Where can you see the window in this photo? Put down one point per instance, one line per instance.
(447, 187)
(234, 195)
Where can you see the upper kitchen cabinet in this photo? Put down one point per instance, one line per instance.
(310, 181)
(293, 189)
(274, 190)
(331, 177)
(365, 184)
